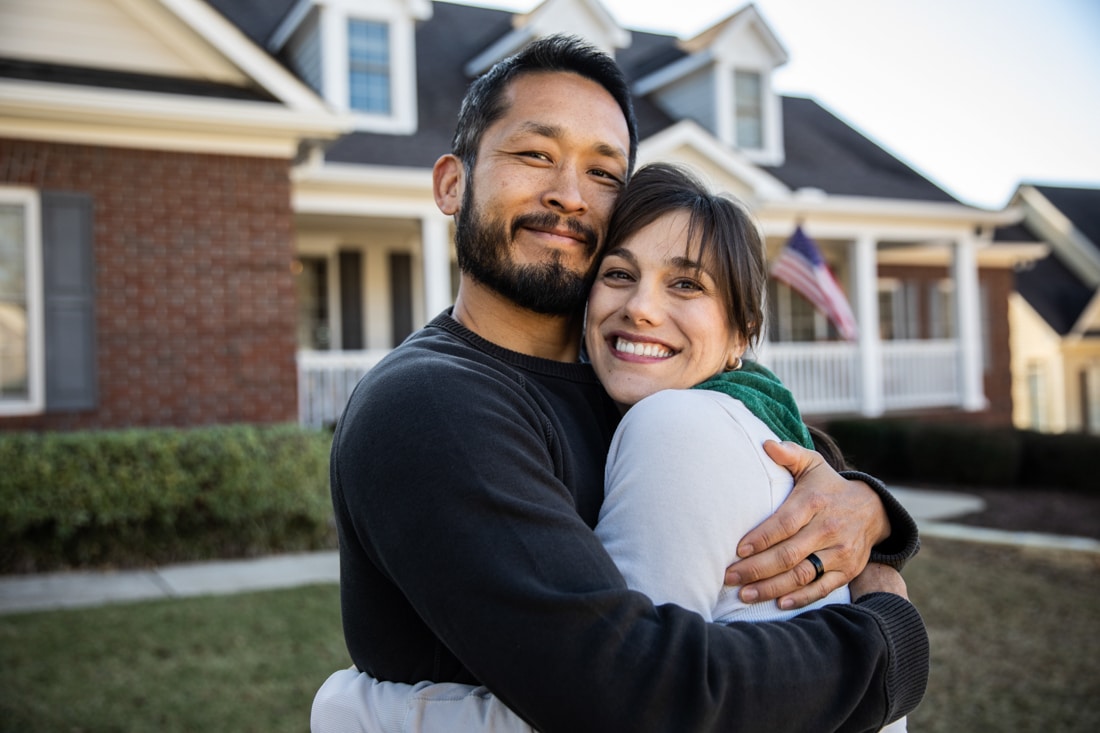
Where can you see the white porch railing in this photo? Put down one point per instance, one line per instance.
(325, 381)
(921, 374)
(824, 377)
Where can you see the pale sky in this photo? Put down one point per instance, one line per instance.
(977, 95)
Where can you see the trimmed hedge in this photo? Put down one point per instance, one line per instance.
(133, 498)
(953, 454)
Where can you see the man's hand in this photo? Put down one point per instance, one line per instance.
(878, 577)
(827, 515)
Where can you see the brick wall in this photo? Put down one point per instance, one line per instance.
(997, 381)
(195, 298)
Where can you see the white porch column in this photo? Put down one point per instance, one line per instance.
(870, 347)
(436, 261)
(968, 316)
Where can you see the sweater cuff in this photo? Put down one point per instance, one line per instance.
(904, 540)
(907, 641)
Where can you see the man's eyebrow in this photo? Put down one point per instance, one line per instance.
(556, 132)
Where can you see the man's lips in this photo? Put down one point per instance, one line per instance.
(565, 230)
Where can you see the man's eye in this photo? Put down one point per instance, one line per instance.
(611, 177)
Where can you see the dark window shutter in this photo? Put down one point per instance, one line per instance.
(68, 275)
(351, 300)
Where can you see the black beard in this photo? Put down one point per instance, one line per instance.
(549, 288)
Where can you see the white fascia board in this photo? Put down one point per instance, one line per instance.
(1055, 227)
(252, 60)
(353, 175)
(673, 72)
(288, 25)
(505, 46)
(989, 255)
(884, 208)
(79, 114)
(346, 189)
(688, 133)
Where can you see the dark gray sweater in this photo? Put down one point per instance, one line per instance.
(466, 479)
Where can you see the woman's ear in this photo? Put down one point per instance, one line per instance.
(448, 183)
(737, 350)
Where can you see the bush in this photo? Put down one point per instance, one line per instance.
(139, 497)
(1060, 460)
(954, 454)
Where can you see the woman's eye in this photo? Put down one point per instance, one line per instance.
(687, 285)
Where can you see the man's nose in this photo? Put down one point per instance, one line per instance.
(564, 193)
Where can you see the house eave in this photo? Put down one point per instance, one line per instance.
(125, 118)
(802, 203)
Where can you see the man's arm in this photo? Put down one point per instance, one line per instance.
(845, 519)
(486, 545)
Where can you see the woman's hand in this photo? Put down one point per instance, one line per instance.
(827, 515)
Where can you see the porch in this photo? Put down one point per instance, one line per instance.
(825, 377)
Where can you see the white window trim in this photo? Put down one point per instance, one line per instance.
(334, 63)
(770, 152)
(36, 365)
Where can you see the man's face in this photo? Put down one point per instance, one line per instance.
(547, 175)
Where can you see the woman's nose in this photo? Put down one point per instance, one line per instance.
(643, 305)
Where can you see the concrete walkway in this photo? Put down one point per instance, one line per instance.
(87, 588)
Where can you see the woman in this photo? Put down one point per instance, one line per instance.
(676, 301)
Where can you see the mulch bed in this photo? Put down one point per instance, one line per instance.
(1051, 511)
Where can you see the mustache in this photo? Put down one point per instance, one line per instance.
(549, 220)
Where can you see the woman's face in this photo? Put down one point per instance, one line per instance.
(655, 318)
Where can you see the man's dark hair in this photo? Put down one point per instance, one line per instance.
(484, 101)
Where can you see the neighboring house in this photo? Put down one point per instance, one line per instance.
(146, 220)
(1055, 313)
(248, 187)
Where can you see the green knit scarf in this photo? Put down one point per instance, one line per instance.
(766, 397)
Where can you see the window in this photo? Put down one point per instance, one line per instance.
(1090, 399)
(793, 318)
(369, 66)
(897, 310)
(311, 281)
(21, 377)
(748, 109)
(1036, 396)
(941, 317)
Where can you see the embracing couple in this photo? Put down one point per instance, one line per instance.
(539, 493)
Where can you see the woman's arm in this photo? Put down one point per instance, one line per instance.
(354, 702)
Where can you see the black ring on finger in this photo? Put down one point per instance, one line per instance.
(819, 567)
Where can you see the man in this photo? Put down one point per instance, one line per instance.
(467, 474)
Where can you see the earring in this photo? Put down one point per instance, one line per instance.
(735, 366)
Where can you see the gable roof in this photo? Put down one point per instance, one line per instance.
(823, 152)
(1063, 287)
(257, 19)
(1055, 292)
(1081, 206)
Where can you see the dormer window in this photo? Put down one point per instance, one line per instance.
(748, 100)
(369, 66)
(748, 109)
(360, 56)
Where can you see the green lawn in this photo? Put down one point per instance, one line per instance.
(1015, 633)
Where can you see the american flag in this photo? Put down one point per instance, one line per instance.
(801, 266)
